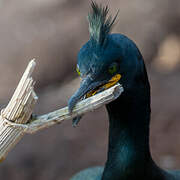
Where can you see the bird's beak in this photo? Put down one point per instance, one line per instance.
(90, 87)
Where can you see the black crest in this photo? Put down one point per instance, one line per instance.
(99, 23)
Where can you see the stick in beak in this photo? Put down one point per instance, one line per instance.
(88, 88)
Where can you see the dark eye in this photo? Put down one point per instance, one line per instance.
(113, 68)
(77, 70)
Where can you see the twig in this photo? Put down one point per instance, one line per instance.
(18, 110)
(15, 118)
(56, 117)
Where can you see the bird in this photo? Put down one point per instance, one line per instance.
(106, 59)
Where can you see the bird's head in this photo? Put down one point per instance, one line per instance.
(105, 59)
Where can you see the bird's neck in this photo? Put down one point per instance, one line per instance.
(129, 117)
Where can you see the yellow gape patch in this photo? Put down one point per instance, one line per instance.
(110, 83)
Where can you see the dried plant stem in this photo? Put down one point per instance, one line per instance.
(15, 118)
(18, 110)
(56, 117)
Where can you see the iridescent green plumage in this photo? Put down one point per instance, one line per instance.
(102, 57)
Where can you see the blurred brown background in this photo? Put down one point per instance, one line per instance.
(53, 31)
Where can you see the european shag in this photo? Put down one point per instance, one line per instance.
(103, 61)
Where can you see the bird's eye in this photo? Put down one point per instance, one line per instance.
(113, 68)
(77, 70)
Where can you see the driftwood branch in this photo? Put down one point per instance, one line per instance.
(56, 117)
(15, 118)
(18, 110)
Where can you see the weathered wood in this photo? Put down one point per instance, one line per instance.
(15, 118)
(18, 110)
(84, 106)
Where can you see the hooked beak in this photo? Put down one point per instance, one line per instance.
(90, 87)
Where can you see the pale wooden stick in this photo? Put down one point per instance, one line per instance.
(84, 106)
(18, 110)
(14, 119)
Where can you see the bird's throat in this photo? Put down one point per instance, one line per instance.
(128, 153)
